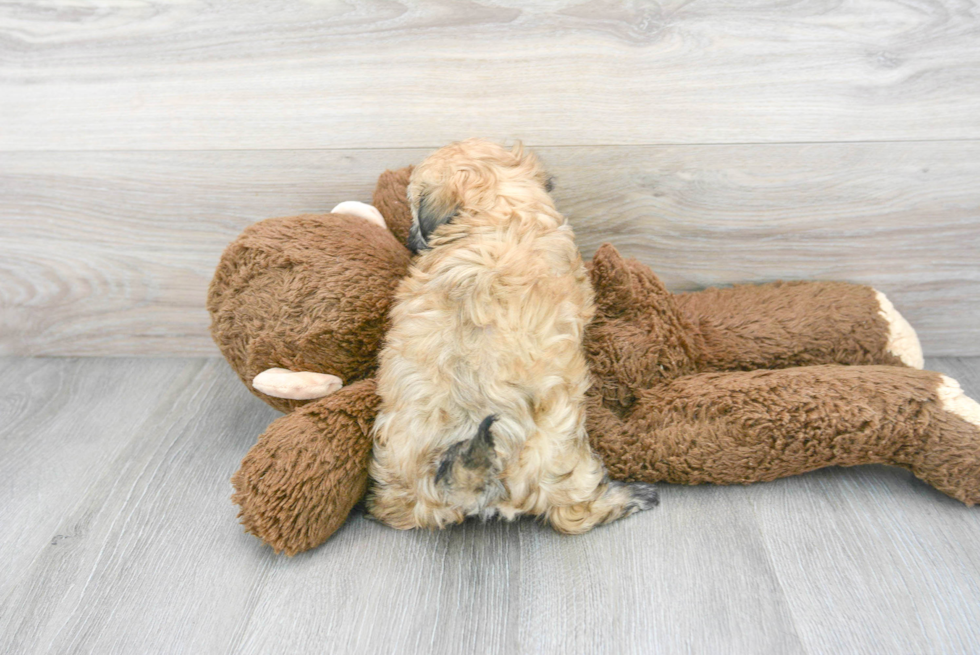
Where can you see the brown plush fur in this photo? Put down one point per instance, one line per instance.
(729, 428)
(678, 395)
(658, 415)
(391, 200)
(786, 324)
(308, 470)
(272, 302)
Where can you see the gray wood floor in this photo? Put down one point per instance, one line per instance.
(119, 537)
(718, 142)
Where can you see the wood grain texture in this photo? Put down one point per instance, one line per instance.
(140, 578)
(878, 543)
(132, 546)
(197, 75)
(111, 253)
(59, 430)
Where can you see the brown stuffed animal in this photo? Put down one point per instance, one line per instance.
(723, 386)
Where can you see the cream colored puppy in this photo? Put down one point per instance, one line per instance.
(483, 375)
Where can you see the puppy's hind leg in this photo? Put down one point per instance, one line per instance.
(586, 497)
(613, 500)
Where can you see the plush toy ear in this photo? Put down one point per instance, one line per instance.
(611, 280)
(391, 199)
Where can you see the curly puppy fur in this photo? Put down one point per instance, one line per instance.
(483, 375)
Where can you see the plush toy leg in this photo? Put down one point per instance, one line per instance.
(740, 427)
(297, 485)
(785, 324)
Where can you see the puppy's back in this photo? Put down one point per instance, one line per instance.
(492, 326)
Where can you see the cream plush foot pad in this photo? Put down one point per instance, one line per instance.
(361, 209)
(953, 400)
(296, 385)
(902, 339)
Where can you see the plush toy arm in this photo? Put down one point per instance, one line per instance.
(739, 427)
(297, 485)
(787, 324)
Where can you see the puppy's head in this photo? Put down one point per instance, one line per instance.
(470, 177)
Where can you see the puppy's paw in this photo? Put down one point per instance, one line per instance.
(295, 385)
(643, 496)
(902, 339)
(361, 210)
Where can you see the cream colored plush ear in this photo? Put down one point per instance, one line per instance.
(295, 385)
(362, 210)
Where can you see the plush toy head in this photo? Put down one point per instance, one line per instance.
(284, 296)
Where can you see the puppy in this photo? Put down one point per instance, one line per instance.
(483, 375)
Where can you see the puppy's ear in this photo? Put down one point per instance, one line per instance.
(433, 211)
(611, 280)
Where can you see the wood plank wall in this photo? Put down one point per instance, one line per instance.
(717, 142)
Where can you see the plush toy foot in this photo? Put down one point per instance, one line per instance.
(951, 460)
(953, 400)
(295, 385)
(361, 209)
(902, 339)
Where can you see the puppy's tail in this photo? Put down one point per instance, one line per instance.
(469, 465)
